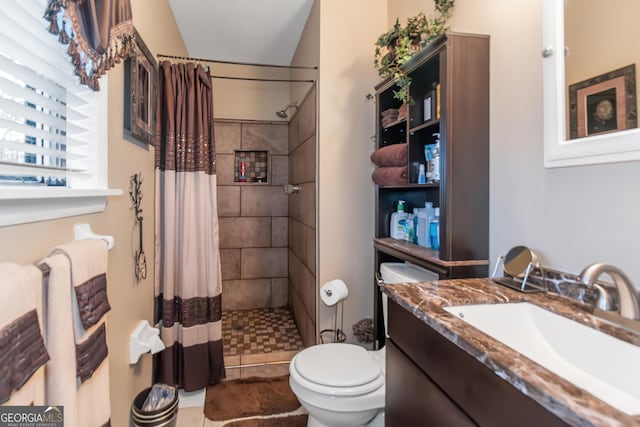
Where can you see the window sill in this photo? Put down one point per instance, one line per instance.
(23, 205)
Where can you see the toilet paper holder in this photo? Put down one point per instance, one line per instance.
(333, 293)
(144, 339)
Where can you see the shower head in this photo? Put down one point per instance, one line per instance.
(283, 113)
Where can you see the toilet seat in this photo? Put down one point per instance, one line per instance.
(337, 369)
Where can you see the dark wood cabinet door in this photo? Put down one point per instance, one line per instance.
(488, 399)
(412, 399)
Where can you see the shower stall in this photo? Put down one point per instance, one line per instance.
(266, 161)
(267, 237)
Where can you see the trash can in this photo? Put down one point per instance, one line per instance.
(165, 416)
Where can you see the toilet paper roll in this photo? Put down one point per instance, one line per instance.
(334, 291)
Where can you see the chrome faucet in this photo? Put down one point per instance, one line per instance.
(629, 302)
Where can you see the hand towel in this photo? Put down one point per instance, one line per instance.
(391, 155)
(78, 301)
(390, 175)
(22, 349)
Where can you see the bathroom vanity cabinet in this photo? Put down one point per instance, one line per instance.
(429, 378)
(450, 93)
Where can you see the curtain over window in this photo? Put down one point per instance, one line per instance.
(99, 33)
(53, 130)
(188, 282)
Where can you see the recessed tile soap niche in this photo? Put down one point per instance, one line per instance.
(251, 167)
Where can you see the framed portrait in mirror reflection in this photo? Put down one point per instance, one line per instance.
(141, 75)
(603, 104)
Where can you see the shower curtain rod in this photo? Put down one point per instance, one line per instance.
(256, 79)
(189, 58)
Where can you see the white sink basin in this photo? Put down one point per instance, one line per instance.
(603, 365)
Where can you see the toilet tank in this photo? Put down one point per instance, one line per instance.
(399, 272)
(402, 272)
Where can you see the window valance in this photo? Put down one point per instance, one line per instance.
(99, 33)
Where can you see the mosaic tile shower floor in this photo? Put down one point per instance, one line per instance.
(259, 331)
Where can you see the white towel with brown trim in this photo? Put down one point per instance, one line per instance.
(22, 350)
(78, 303)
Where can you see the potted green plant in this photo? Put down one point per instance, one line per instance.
(398, 45)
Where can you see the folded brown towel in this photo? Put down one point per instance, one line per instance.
(391, 155)
(390, 175)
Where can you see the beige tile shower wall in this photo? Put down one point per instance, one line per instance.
(302, 219)
(253, 218)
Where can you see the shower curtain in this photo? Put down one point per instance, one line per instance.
(188, 282)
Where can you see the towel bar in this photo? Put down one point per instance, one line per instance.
(83, 231)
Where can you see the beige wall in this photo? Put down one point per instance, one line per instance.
(571, 216)
(346, 127)
(246, 99)
(307, 54)
(130, 301)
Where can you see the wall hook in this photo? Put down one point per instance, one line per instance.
(135, 192)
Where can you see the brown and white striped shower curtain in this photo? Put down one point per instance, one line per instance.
(188, 283)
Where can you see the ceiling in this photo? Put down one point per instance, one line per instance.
(256, 31)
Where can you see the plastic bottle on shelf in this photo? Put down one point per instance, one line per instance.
(408, 232)
(422, 177)
(434, 230)
(422, 228)
(424, 217)
(396, 230)
(428, 207)
(436, 159)
(417, 212)
(428, 156)
(242, 171)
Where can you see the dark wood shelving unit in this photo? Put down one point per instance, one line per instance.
(396, 123)
(424, 125)
(456, 68)
(404, 186)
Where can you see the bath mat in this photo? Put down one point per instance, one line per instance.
(247, 397)
(284, 421)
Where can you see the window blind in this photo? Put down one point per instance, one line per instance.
(47, 120)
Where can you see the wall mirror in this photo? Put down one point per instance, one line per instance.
(589, 82)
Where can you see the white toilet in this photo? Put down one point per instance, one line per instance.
(343, 384)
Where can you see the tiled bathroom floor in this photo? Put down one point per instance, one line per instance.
(256, 343)
(259, 335)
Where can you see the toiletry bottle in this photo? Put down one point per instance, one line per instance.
(422, 228)
(428, 207)
(407, 233)
(428, 155)
(436, 159)
(434, 230)
(396, 230)
(242, 171)
(417, 212)
(424, 218)
(422, 177)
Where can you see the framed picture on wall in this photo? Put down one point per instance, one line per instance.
(141, 75)
(603, 104)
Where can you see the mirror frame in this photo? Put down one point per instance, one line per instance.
(558, 151)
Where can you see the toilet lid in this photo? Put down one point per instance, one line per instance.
(337, 365)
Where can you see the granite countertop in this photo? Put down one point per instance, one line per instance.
(574, 405)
